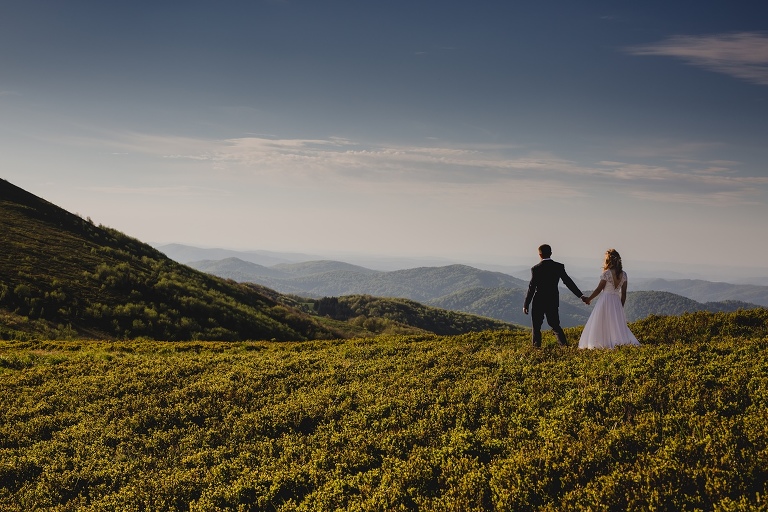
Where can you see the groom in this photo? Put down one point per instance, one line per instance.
(546, 298)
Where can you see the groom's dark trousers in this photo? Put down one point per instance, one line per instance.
(543, 292)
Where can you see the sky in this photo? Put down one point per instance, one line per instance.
(470, 131)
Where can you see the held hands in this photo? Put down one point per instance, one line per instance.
(585, 300)
(525, 310)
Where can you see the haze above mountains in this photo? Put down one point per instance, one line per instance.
(579, 268)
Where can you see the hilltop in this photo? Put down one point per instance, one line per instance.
(63, 275)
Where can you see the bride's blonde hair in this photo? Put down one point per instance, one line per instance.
(613, 261)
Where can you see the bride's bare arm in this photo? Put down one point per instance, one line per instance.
(623, 293)
(597, 291)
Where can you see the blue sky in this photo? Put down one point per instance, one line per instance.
(472, 131)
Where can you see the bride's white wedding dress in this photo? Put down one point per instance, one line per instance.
(607, 327)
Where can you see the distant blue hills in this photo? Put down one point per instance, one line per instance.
(455, 287)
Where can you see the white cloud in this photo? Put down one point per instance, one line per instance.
(696, 182)
(499, 171)
(743, 55)
(433, 164)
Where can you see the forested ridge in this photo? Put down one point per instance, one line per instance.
(64, 276)
(402, 316)
(465, 289)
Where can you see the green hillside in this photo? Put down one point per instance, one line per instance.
(707, 291)
(395, 423)
(506, 304)
(402, 316)
(63, 276)
(643, 303)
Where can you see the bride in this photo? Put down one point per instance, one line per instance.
(607, 327)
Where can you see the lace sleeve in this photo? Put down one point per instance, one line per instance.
(607, 276)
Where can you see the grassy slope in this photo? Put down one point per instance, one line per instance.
(64, 274)
(472, 422)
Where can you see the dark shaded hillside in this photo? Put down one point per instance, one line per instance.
(505, 304)
(402, 315)
(641, 304)
(62, 274)
(430, 282)
(644, 303)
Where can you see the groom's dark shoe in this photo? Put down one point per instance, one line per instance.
(561, 337)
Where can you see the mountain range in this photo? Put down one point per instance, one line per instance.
(62, 276)
(486, 293)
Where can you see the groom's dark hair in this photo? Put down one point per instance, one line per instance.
(545, 250)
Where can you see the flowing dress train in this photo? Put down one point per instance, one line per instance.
(606, 326)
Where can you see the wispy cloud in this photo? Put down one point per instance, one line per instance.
(443, 169)
(693, 182)
(470, 164)
(177, 191)
(742, 55)
(489, 166)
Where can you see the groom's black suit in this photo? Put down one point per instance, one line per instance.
(543, 291)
